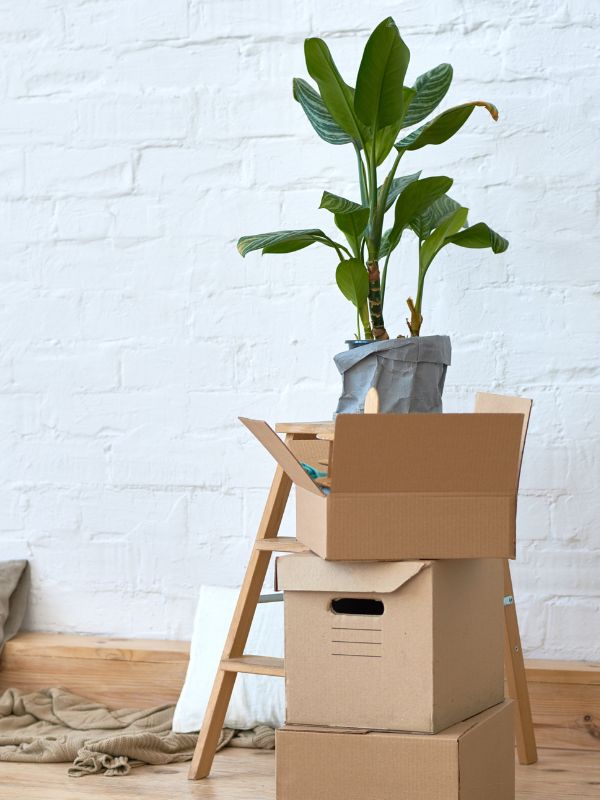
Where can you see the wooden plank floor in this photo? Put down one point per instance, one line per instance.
(249, 775)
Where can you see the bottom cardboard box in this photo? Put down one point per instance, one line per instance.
(472, 760)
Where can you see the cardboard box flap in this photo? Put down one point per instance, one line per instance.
(466, 454)
(486, 403)
(453, 734)
(309, 573)
(281, 453)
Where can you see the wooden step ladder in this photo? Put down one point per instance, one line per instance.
(309, 442)
(233, 661)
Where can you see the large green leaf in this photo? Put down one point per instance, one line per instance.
(443, 127)
(337, 204)
(415, 198)
(479, 235)
(396, 187)
(434, 243)
(385, 138)
(378, 99)
(350, 217)
(282, 241)
(424, 223)
(353, 280)
(353, 225)
(430, 90)
(335, 93)
(317, 113)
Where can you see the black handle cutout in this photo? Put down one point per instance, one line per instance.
(364, 606)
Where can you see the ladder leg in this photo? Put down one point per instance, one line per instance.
(515, 674)
(206, 747)
(240, 627)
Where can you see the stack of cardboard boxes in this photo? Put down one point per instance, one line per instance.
(394, 623)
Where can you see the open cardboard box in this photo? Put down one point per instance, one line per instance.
(473, 760)
(409, 486)
(403, 645)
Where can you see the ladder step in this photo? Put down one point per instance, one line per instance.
(282, 544)
(256, 665)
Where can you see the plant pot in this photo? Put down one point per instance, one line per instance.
(409, 374)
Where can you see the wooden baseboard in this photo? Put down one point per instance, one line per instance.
(565, 695)
(565, 703)
(134, 673)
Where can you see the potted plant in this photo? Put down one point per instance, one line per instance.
(408, 371)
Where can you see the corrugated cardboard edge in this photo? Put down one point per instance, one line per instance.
(281, 453)
(308, 572)
(461, 729)
(295, 728)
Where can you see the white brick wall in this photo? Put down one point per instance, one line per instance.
(138, 140)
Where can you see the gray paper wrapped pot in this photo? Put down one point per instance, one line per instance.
(408, 374)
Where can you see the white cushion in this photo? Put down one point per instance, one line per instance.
(256, 699)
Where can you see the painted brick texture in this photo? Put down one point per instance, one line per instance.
(137, 141)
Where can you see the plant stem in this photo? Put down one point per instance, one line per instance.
(416, 318)
(419, 300)
(385, 190)
(339, 248)
(372, 198)
(377, 212)
(415, 321)
(373, 242)
(384, 277)
(364, 199)
(364, 316)
(357, 323)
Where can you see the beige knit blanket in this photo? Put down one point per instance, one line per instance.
(55, 725)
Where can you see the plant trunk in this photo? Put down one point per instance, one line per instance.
(375, 307)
